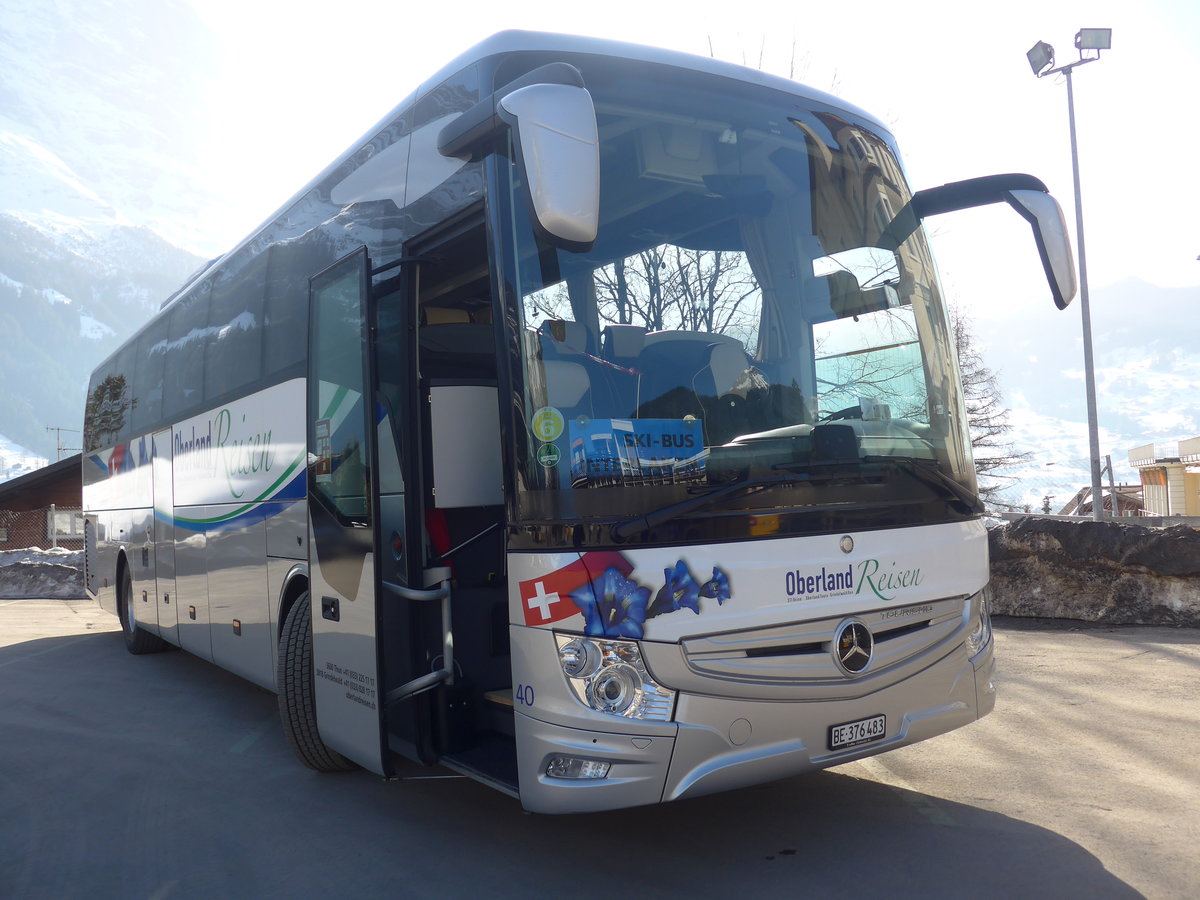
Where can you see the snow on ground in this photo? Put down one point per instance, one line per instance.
(44, 574)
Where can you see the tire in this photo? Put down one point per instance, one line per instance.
(137, 640)
(297, 708)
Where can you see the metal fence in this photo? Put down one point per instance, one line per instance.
(45, 528)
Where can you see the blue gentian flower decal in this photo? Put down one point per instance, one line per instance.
(718, 587)
(679, 591)
(612, 606)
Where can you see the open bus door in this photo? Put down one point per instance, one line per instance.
(458, 499)
(380, 622)
(342, 559)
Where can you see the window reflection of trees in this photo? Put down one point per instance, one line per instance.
(669, 287)
(877, 357)
(869, 352)
(107, 409)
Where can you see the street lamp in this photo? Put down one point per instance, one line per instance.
(1089, 42)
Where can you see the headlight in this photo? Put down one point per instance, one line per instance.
(610, 677)
(981, 622)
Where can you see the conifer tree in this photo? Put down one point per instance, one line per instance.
(987, 416)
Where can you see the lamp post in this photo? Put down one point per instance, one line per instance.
(1041, 60)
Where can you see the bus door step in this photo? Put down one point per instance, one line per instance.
(501, 697)
(498, 711)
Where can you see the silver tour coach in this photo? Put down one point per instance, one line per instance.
(592, 428)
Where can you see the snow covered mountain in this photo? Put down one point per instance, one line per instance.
(16, 461)
(101, 112)
(96, 123)
(1146, 343)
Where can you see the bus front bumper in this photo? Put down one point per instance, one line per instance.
(722, 743)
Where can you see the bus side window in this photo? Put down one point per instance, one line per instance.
(186, 331)
(233, 357)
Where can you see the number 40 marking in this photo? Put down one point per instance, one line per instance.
(524, 694)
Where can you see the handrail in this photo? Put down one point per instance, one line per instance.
(437, 676)
(440, 592)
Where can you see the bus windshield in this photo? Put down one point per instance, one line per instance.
(737, 318)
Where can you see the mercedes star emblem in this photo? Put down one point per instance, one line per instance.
(853, 647)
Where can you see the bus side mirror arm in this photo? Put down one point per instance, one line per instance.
(1025, 194)
(556, 144)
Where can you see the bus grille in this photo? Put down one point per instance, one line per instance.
(795, 660)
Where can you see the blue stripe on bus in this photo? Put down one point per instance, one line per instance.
(295, 489)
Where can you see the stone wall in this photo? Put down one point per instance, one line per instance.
(1096, 571)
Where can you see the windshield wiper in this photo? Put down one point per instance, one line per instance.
(623, 530)
(925, 471)
(929, 473)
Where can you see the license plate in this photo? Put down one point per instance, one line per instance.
(851, 734)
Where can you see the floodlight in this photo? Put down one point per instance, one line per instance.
(1041, 60)
(1094, 39)
(1041, 57)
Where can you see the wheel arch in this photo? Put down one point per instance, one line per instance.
(122, 570)
(295, 585)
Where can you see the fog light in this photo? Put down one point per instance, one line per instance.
(574, 767)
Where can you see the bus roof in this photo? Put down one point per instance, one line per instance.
(515, 41)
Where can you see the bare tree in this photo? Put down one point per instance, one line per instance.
(635, 290)
(710, 288)
(552, 303)
(668, 286)
(986, 415)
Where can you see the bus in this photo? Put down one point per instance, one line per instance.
(592, 428)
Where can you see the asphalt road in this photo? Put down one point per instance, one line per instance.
(164, 777)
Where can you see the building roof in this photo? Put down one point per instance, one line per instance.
(41, 478)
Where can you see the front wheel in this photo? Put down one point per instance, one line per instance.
(137, 640)
(297, 706)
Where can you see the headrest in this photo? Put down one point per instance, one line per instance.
(572, 336)
(701, 337)
(624, 341)
(728, 363)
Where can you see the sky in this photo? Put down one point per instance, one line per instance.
(951, 81)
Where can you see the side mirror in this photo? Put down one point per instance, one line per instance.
(1045, 217)
(1024, 193)
(557, 146)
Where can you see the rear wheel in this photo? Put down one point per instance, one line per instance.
(137, 640)
(297, 706)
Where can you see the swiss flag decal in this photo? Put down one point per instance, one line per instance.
(547, 598)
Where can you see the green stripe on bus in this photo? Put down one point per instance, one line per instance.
(241, 509)
(338, 396)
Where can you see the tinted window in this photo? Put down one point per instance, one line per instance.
(233, 354)
(285, 312)
(339, 457)
(106, 401)
(183, 377)
(148, 376)
(120, 398)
